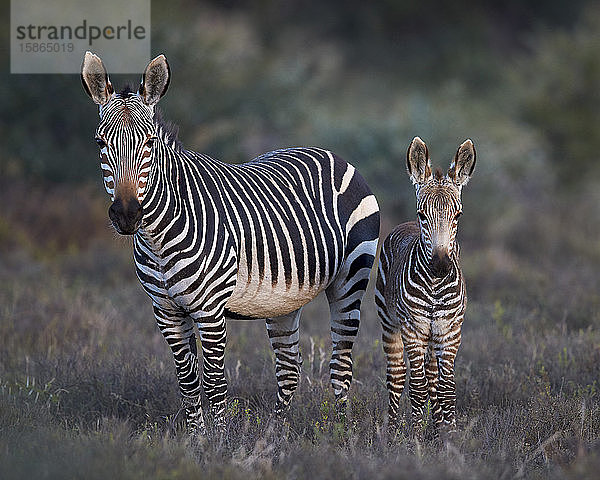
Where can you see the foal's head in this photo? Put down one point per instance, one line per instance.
(438, 200)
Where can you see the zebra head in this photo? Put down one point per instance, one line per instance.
(125, 135)
(439, 200)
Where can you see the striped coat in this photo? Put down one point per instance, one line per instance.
(215, 240)
(420, 291)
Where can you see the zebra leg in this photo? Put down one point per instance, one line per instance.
(431, 372)
(213, 337)
(447, 386)
(395, 373)
(446, 342)
(393, 347)
(284, 337)
(345, 296)
(396, 367)
(415, 351)
(178, 331)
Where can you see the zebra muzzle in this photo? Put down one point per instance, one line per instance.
(126, 216)
(440, 264)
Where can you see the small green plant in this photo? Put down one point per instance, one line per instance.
(233, 408)
(543, 380)
(564, 359)
(32, 391)
(498, 317)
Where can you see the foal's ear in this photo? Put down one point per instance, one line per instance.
(155, 80)
(95, 79)
(463, 164)
(417, 162)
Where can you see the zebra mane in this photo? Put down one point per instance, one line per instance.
(167, 130)
(127, 91)
(439, 175)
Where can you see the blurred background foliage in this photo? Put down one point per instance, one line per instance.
(520, 78)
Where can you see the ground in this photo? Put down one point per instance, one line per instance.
(88, 388)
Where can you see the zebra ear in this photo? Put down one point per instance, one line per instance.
(155, 80)
(417, 162)
(95, 79)
(463, 164)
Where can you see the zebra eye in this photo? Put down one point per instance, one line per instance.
(101, 143)
(422, 216)
(150, 142)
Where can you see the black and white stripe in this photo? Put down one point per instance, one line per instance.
(420, 292)
(256, 240)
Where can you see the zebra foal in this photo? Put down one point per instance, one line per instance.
(420, 292)
(257, 240)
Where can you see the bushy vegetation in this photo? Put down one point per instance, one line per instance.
(87, 384)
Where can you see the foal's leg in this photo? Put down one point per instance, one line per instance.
(431, 372)
(396, 367)
(415, 352)
(446, 347)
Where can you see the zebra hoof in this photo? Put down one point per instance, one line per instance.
(282, 406)
(196, 430)
(449, 430)
(194, 418)
(341, 408)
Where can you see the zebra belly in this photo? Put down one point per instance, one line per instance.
(266, 294)
(265, 300)
(415, 328)
(272, 289)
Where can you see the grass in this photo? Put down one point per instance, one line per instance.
(87, 384)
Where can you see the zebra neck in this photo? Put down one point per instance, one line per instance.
(179, 208)
(165, 200)
(421, 259)
(421, 249)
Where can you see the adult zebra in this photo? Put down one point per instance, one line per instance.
(211, 239)
(420, 292)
